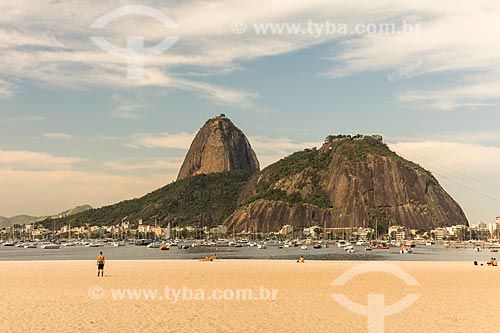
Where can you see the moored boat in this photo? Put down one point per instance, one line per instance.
(153, 245)
(142, 242)
(261, 246)
(50, 246)
(93, 245)
(343, 243)
(405, 249)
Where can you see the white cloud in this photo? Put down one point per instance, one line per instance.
(469, 95)
(127, 111)
(28, 160)
(128, 106)
(220, 95)
(151, 165)
(49, 192)
(483, 138)
(64, 57)
(459, 36)
(63, 136)
(68, 59)
(163, 140)
(15, 38)
(270, 150)
(475, 137)
(455, 35)
(20, 120)
(6, 89)
(50, 184)
(466, 157)
(468, 171)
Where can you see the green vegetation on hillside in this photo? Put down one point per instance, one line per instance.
(356, 148)
(197, 200)
(287, 168)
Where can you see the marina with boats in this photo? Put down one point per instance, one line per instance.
(242, 248)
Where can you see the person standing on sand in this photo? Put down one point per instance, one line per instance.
(100, 264)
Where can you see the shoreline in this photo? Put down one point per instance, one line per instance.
(241, 260)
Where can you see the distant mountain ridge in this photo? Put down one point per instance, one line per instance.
(6, 222)
(75, 210)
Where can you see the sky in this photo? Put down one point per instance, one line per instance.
(86, 124)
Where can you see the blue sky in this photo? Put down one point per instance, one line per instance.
(75, 130)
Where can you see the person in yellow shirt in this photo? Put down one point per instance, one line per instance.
(100, 264)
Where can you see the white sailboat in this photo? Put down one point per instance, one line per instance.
(168, 232)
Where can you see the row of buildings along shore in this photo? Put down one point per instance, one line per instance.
(481, 231)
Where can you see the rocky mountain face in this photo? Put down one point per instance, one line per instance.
(351, 181)
(219, 146)
(348, 182)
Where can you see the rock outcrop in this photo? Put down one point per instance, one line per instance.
(348, 182)
(219, 146)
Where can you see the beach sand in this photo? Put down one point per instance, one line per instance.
(68, 296)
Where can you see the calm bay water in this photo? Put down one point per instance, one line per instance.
(131, 252)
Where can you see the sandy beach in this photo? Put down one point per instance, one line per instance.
(68, 296)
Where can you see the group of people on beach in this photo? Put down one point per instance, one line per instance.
(491, 262)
